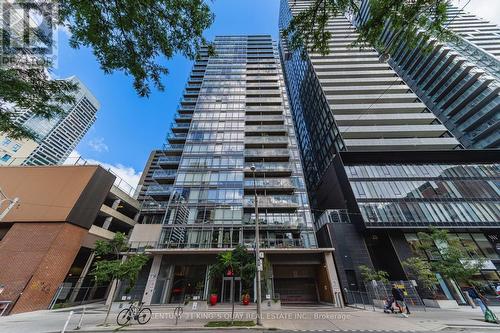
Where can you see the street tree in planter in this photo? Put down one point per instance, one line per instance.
(368, 274)
(238, 262)
(112, 265)
(421, 271)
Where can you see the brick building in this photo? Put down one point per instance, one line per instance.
(46, 239)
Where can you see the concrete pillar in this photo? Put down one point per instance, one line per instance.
(115, 204)
(78, 284)
(107, 222)
(153, 275)
(334, 280)
(136, 216)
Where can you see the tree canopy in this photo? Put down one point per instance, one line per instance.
(308, 29)
(451, 258)
(137, 36)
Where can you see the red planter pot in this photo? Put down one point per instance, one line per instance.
(213, 299)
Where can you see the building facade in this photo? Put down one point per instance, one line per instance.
(349, 100)
(459, 80)
(55, 138)
(199, 192)
(381, 163)
(376, 204)
(47, 238)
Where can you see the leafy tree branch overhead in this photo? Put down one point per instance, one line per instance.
(307, 30)
(134, 36)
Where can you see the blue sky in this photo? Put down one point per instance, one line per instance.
(129, 127)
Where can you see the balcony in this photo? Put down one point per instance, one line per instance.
(269, 185)
(264, 118)
(169, 160)
(271, 202)
(177, 137)
(181, 127)
(269, 154)
(186, 109)
(271, 109)
(271, 169)
(173, 147)
(164, 176)
(160, 191)
(266, 129)
(183, 118)
(266, 141)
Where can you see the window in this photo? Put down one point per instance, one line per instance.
(16, 147)
(6, 142)
(5, 157)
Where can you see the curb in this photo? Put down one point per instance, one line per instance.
(168, 329)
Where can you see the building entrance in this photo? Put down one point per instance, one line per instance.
(226, 289)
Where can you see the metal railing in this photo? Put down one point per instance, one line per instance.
(359, 299)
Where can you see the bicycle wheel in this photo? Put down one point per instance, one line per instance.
(123, 317)
(144, 316)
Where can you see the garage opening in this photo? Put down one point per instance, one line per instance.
(295, 284)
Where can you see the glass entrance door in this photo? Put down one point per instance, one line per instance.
(226, 289)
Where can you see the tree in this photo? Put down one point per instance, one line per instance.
(135, 37)
(112, 265)
(308, 29)
(239, 262)
(25, 88)
(451, 259)
(421, 270)
(369, 274)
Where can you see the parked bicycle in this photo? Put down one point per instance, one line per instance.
(139, 313)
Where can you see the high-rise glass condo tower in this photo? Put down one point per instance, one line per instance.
(379, 160)
(349, 100)
(55, 138)
(459, 81)
(233, 138)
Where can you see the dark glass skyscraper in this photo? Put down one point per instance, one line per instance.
(383, 163)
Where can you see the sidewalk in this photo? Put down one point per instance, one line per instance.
(306, 318)
(321, 318)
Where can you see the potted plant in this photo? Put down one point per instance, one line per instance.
(213, 297)
(245, 298)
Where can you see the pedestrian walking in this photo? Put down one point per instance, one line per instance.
(477, 298)
(400, 300)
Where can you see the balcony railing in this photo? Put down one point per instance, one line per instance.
(271, 117)
(271, 201)
(265, 128)
(276, 167)
(168, 160)
(164, 173)
(270, 183)
(266, 139)
(159, 190)
(266, 152)
(266, 243)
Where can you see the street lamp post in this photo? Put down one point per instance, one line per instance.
(257, 250)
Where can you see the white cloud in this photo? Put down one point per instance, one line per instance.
(98, 145)
(129, 176)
